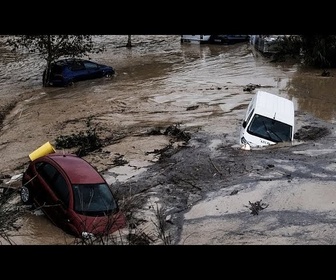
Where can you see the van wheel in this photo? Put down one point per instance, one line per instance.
(25, 195)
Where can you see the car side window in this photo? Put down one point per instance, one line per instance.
(77, 66)
(47, 171)
(61, 189)
(55, 181)
(90, 65)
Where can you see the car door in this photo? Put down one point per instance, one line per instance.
(56, 195)
(78, 71)
(42, 192)
(93, 70)
(60, 188)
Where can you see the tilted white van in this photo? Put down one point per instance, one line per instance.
(269, 119)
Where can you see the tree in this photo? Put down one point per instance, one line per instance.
(129, 41)
(319, 50)
(52, 47)
(315, 50)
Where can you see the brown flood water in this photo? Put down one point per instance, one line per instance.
(155, 81)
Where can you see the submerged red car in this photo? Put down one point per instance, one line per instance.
(72, 194)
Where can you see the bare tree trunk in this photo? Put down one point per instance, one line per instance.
(129, 42)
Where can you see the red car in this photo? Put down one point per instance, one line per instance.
(72, 194)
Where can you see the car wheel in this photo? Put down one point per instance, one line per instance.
(25, 194)
(108, 75)
(70, 84)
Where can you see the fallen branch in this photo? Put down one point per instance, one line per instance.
(257, 206)
(215, 166)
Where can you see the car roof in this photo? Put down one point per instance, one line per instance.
(274, 106)
(65, 61)
(79, 171)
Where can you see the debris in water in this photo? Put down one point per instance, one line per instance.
(257, 206)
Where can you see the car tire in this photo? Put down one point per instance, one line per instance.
(70, 83)
(25, 195)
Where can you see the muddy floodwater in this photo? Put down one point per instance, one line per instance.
(161, 82)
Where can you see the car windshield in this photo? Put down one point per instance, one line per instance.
(94, 199)
(270, 129)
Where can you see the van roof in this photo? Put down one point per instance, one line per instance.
(274, 106)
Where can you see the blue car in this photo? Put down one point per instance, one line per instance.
(66, 72)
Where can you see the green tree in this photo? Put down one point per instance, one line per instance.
(319, 50)
(52, 47)
(315, 50)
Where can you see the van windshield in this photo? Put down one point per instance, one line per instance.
(270, 129)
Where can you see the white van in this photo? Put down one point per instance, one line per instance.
(269, 119)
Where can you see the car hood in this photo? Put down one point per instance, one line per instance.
(97, 225)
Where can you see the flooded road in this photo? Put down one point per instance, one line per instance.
(156, 81)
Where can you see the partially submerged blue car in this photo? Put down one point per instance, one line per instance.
(66, 72)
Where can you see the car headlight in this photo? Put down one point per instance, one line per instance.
(244, 144)
(243, 140)
(87, 235)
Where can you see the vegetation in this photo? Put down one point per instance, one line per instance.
(85, 142)
(314, 50)
(10, 213)
(319, 50)
(136, 232)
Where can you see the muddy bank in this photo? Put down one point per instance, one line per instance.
(209, 169)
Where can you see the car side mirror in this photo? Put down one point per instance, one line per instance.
(244, 124)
